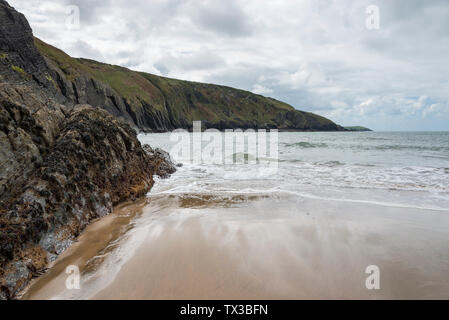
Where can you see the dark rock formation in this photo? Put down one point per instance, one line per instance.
(29, 125)
(95, 163)
(61, 165)
(17, 51)
(165, 165)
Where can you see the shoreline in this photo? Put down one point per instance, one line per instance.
(186, 250)
(161, 165)
(115, 218)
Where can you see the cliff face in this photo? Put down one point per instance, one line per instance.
(18, 55)
(61, 164)
(153, 103)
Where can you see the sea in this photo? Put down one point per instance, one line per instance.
(405, 169)
(308, 215)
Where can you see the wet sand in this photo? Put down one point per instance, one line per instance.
(258, 247)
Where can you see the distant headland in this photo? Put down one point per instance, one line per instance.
(357, 128)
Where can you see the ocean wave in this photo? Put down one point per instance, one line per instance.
(329, 163)
(412, 147)
(376, 139)
(305, 145)
(436, 157)
(317, 163)
(210, 199)
(238, 198)
(335, 173)
(400, 147)
(372, 202)
(367, 147)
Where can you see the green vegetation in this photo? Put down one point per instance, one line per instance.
(128, 84)
(357, 128)
(50, 79)
(216, 103)
(67, 64)
(3, 55)
(21, 72)
(18, 69)
(186, 100)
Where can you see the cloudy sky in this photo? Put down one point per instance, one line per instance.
(317, 55)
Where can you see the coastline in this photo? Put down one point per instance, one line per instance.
(93, 163)
(168, 249)
(110, 227)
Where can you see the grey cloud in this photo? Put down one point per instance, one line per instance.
(84, 50)
(316, 55)
(199, 60)
(223, 17)
(91, 10)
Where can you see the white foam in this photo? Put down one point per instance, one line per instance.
(401, 178)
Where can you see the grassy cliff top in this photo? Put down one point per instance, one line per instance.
(187, 100)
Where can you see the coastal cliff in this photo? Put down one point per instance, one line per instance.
(61, 164)
(154, 103)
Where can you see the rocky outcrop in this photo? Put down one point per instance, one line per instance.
(165, 164)
(61, 164)
(95, 163)
(29, 125)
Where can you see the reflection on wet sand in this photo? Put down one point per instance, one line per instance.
(193, 246)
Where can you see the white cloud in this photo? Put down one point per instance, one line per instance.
(259, 89)
(437, 109)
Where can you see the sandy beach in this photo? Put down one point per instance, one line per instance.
(168, 247)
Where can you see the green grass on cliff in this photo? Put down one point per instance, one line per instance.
(22, 72)
(69, 66)
(128, 84)
(18, 69)
(215, 103)
(187, 100)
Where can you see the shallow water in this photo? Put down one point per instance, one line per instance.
(337, 203)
